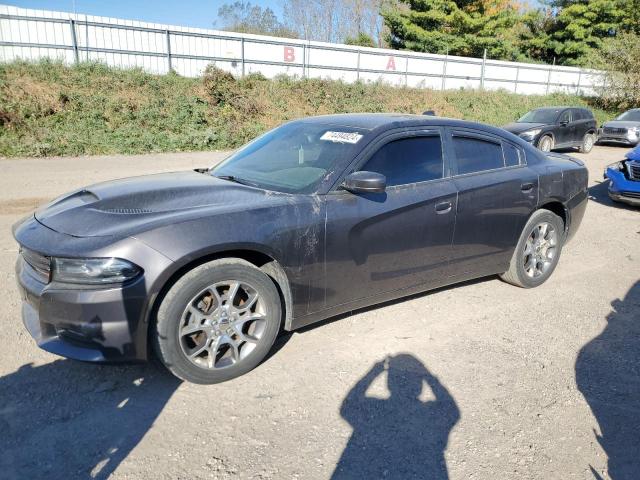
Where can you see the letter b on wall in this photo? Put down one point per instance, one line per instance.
(289, 54)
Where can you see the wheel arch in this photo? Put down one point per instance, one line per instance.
(557, 207)
(547, 133)
(266, 262)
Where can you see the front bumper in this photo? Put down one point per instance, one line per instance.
(621, 197)
(91, 325)
(99, 324)
(619, 139)
(621, 189)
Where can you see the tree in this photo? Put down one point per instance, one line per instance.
(361, 40)
(580, 27)
(618, 57)
(243, 17)
(335, 20)
(464, 27)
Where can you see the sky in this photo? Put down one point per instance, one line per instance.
(188, 13)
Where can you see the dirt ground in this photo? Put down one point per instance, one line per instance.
(482, 380)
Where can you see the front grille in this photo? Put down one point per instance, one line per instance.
(631, 194)
(634, 171)
(615, 131)
(40, 264)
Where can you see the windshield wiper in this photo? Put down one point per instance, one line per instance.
(231, 178)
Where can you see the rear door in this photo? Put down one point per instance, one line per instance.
(496, 194)
(382, 242)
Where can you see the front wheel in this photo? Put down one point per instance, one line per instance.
(538, 251)
(545, 143)
(217, 322)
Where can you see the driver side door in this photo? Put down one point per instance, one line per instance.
(377, 243)
(563, 130)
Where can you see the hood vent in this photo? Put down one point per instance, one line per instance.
(127, 211)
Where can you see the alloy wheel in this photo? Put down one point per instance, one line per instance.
(222, 324)
(540, 250)
(545, 144)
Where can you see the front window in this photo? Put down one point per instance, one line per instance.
(293, 158)
(630, 116)
(409, 160)
(541, 115)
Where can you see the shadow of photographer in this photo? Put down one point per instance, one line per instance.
(608, 376)
(402, 436)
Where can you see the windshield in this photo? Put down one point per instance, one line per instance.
(541, 115)
(293, 158)
(630, 116)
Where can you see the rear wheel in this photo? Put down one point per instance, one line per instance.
(545, 143)
(217, 322)
(538, 251)
(587, 143)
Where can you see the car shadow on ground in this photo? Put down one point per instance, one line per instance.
(68, 419)
(608, 376)
(401, 436)
(599, 193)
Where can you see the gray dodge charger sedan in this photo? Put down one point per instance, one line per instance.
(317, 217)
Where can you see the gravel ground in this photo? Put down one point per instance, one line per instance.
(481, 380)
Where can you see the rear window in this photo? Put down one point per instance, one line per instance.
(512, 156)
(477, 155)
(582, 114)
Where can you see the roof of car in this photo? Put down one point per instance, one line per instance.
(558, 107)
(374, 121)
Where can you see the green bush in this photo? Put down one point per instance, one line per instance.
(48, 108)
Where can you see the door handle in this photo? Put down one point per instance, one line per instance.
(526, 187)
(443, 207)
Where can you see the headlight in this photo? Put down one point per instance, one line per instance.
(530, 134)
(616, 166)
(93, 271)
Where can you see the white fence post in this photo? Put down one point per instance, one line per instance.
(444, 70)
(242, 55)
(74, 40)
(549, 75)
(358, 67)
(578, 85)
(484, 64)
(168, 34)
(406, 71)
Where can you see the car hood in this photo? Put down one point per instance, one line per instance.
(518, 128)
(621, 124)
(125, 207)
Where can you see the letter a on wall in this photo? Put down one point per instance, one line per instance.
(391, 63)
(289, 54)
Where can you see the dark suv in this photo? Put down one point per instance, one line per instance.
(557, 127)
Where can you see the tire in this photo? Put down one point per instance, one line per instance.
(545, 143)
(227, 307)
(521, 272)
(587, 143)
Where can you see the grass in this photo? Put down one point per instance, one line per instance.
(49, 109)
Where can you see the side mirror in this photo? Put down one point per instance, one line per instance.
(365, 182)
(564, 123)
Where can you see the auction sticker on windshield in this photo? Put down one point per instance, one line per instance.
(341, 137)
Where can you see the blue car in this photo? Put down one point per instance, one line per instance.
(624, 184)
